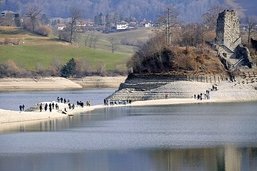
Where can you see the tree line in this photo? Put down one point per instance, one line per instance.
(72, 68)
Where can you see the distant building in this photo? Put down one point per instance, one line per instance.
(122, 26)
(10, 18)
(61, 27)
(147, 25)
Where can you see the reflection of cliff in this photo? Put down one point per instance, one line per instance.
(190, 160)
(195, 159)
(229, 158)
(232, 159)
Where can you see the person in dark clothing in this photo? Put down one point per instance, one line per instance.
(50, 107)
(56, 106)
(46, 107)
(40, 107)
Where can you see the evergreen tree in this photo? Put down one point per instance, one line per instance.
(69, 69)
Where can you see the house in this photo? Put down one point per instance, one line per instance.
(61, 27)
(122, 26)
(9, 18)
(148, 25)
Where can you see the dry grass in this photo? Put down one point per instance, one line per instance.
(201, 60)
(198, 60)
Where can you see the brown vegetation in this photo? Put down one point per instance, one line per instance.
(10, 69)
(43, 30)
(193, 56)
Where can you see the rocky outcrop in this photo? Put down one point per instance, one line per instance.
(139, 87)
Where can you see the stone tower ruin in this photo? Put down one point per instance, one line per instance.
(228, 42)
(228, 29)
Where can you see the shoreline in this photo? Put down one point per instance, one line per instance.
(10, 119)
(58, 83)
(228, 92)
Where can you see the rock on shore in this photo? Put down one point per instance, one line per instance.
(142, 87)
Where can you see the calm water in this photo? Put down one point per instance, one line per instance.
(219, 137)
(12, 100)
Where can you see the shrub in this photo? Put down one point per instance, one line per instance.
(43, 30)
(10, 69)
(64, 36)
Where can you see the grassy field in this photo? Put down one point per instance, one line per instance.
(123, 41)
(42, 52)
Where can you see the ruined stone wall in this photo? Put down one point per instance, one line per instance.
(228, 29)
(229, 44)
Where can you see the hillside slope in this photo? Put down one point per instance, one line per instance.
(40, 53)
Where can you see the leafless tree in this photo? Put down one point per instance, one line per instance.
(33, 12)
(168, 21)
(75, 14)
(91, 39)
(211, 16)
(251, 25)
(113, 44)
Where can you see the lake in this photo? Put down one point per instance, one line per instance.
(12, 100)
(200, 137)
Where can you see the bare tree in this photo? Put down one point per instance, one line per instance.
(113, 44)
(91, 40)
(75, 14)
(33, 12)
(211, 16)
(168, 21)
(251, 24)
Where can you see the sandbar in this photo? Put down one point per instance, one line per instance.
(227, 92)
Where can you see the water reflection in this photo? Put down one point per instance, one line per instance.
(220, 137)
(229, 158)
(12, 100)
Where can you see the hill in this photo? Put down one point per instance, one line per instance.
(36, 53)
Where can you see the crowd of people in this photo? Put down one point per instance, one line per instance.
(71, 106)
(206, 95)
(48, 106)
(56, 105)
(116, 102)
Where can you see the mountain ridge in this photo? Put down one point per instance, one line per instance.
(189, 10)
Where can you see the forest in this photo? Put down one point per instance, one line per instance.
(189, 10)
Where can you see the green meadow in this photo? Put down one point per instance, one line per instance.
(34, 52)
